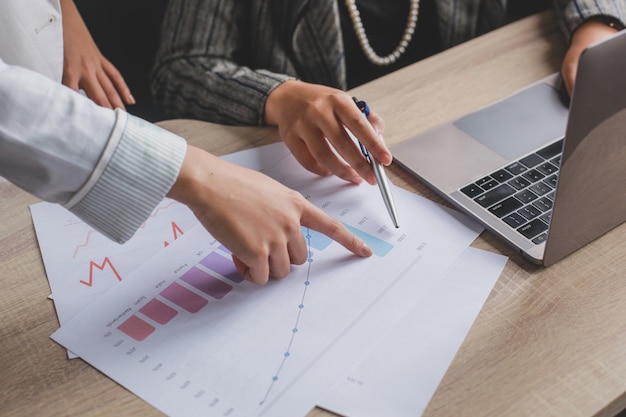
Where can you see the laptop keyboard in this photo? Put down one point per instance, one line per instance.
(521, 194)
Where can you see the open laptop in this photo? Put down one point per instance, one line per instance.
(546, 178)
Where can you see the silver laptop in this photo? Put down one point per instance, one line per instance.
(545, 177)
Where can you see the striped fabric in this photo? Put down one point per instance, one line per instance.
(141, 171)
(219, 59)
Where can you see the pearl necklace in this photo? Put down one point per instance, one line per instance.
(369, 52)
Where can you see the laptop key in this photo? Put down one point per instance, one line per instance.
(526, 196)
(540, 239)
(544, 204)
(489, 185)
(493, 196)
(505, 207)
(502, 175)
(514, 220)
(551, 150)
(472, 190)
(540, 188)
(551, 180)
(533, 175)
(519, 183)
(531, 160)
(532, 229)
(547, 168)
(516, 168)
(529, 212)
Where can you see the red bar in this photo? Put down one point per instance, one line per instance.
(184, 298)
(222, 265)
(206, 283)
(158, 311)
(136, 328)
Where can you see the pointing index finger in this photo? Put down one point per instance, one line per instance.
(315, 218)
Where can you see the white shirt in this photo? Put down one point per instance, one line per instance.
(31, 36)
(108, 167)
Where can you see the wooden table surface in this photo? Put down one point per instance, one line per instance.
(548, 341)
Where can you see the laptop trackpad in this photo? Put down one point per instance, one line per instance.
(525, 121)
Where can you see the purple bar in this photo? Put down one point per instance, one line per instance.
(222, 265)
(184, 298)
(158, 311)
(136, 328)
(206, 283)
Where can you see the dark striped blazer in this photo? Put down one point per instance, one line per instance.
(219, 59)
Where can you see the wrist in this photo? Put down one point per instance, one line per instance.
(273, 102)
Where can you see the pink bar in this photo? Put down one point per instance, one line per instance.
(184, 298)
(136, 328)
(158, 311)
(222, 265)
(206, 283)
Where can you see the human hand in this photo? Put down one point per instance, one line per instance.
(310, 120)
(589, 32)
(84, 67)
(255, 217)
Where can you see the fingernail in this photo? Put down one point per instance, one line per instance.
(131, 99)
(367, 251)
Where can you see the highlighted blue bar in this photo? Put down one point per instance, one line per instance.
(379, 246)
(316, 239)
(320, 241)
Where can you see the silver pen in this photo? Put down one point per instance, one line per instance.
(379, 171)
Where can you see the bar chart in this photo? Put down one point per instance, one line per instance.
(186, 334)
(205, 281)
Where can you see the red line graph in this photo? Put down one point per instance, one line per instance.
(175, 228)
(84, 245)
(157, 210)
(93, 264)
(175, 231)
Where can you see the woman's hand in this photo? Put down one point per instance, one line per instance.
(311, 120)
(254, 216)
(84, 67)
(589, 32)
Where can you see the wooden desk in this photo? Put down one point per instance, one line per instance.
(548, 342)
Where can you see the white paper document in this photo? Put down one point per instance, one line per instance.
(81, 264)
(186, 334)
(401, 375)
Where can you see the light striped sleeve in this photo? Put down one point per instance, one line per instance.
(109, 168)
(136, 171)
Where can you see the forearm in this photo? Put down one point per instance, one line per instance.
(44, 150)
(212, 90)
(109, 168)
(133, 181)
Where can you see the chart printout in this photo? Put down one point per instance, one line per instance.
(419, 349)
(188, 336)
(81, 263)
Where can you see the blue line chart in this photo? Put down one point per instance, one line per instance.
(294, 330)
